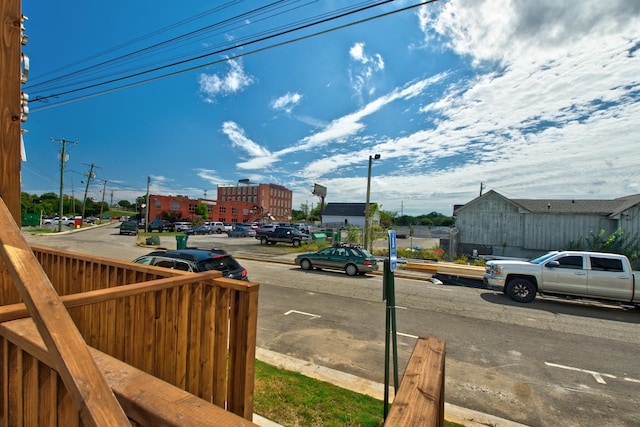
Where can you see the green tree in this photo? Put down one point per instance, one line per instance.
(387, 219)
(124, 204)
(201, 209)
(315, 215)
(297, 215)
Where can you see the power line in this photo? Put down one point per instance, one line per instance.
(121, 46)
(148, 49)
(148, 80)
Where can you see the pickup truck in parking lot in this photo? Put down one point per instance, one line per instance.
(289, 235)
(590, 275)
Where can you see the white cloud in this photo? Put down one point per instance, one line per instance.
(555, 116)
(362, 71)
(506, 30)
(210, 175)
(212, 85)
(286, 102)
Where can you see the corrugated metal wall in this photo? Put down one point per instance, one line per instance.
(556, 231)
(630, 221)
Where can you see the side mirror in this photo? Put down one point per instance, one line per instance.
(552, 264)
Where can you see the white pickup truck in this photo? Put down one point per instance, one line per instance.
(218, 227)
(592, 275)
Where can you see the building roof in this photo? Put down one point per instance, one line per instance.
(573, 206)
(344, 209)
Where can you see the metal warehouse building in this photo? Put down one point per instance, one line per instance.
(527, 228)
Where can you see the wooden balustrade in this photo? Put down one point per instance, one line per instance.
(196, 331)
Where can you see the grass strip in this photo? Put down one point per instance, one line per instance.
(294, 400)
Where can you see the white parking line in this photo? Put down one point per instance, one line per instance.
(632, 380)
(596, 375)
(407, 335)
(313, 316)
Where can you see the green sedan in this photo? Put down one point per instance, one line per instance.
(352, 259)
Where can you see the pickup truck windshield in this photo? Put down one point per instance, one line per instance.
(543, 258)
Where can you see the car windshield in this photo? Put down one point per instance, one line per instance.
(543, 258)
(219, 263)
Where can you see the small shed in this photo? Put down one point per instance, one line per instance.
(346, 214)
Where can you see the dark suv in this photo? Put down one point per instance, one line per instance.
(196, 260)
(160, 225)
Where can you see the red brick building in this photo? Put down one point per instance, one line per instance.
(235, 204)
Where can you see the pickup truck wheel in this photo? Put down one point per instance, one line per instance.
(521, 290)
(218, 231)
(351, 270)
(296, 243)
(263, 240)
(305, 264)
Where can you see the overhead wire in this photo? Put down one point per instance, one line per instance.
(148, 49)
(285, 30)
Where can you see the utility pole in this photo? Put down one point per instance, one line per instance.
(104, 188)
(146, 214)
(86, 190)
(63, 158)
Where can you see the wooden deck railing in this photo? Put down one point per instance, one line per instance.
(33, 393)
(196, 332)
(198, 336)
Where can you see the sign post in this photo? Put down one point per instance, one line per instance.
(389, 295)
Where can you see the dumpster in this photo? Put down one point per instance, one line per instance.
(181, 241)
(77, 221)
(319, 237)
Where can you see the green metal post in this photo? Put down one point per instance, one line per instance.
(388, 294)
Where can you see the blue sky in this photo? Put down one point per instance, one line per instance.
(533, 99)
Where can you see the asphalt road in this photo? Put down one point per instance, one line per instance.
(549, 362)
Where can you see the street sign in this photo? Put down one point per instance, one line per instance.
(393, 252)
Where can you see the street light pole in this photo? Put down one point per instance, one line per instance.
(366, 208)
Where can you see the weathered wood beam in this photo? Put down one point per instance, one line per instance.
(17, 311)
(420, 398)
(10, 110)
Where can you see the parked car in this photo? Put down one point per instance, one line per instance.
(196, 260)
(129, 227)
(68, 221)
(263, 228)
(217, 226)
(182, 225)
(160, 225)
(574, 274)
(282, 235)
(200, 229)
(242, 231)
(352, 259)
